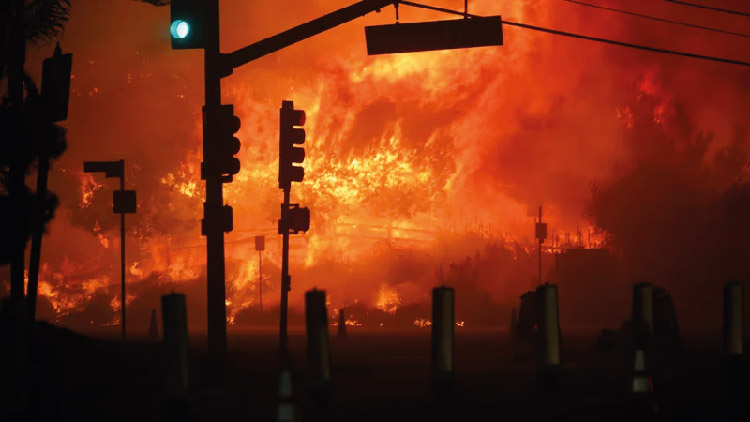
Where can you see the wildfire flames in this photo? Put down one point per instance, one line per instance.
(414, 161)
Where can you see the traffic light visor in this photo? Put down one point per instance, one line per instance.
(180, 29)
(298, 117)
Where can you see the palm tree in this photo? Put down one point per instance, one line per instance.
(27, 136)
(35, 22)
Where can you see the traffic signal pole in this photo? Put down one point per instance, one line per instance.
(286, 285)
(217, 66)
(215, 293)
(123, 298)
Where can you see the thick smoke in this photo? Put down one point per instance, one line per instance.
(678, 215)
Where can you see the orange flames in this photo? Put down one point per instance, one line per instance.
(421, 322)
(388, 299)
(413, 161)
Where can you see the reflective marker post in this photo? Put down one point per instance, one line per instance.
(643, 314)
(733, 318)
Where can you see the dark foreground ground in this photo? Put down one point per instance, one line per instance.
(377, 376)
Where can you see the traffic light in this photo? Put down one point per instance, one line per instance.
(290, 134)
(294, 219)
(227, 145)
(56, 84)
(223, 216)
(187, 26)
(222, 124)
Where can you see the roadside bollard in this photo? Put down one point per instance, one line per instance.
(318, 348)
(443, 328)
(642, 321)
(174, 319)
(342, 325)
(733, 318)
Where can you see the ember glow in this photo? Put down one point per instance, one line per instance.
(414, 161)
(421, 322)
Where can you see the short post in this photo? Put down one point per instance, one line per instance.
(642, 404)
(285, 411)
(733, 318)
(642, 320)
(733, 366)
(513, 332)
(153, 329)
(318, 349)
(443, 326)
(549, 331)
(550, 327)
(342, 325)
(174, 319)
(260, 245)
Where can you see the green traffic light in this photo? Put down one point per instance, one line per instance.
(180, 29)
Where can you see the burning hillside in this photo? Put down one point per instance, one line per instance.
(420, 168)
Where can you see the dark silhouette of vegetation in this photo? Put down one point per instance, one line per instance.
(27, 131)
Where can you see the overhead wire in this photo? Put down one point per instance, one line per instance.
(654, 18)
(585, 37)
(715, 9)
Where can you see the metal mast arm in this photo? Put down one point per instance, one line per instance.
(301, 32)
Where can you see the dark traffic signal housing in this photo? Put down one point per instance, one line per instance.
(188, 25)
(222, 216)
(56, 84)
(294, 219)
(219, 155)
(291, 134)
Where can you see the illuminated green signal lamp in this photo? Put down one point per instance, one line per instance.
(180, 29)
(187, 27)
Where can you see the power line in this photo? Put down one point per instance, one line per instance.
(653, 18)
(715, 9)
(586, 37)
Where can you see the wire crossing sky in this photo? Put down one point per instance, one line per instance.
(589, 38)
(653, 18)
(715, 9)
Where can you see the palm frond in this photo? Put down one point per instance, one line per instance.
(157, 3)
(45, 19)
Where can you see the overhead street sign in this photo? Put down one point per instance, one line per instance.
(437, 35)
